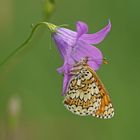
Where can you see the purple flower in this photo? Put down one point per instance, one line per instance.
(75, 45)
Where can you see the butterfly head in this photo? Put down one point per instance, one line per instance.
(82, 62)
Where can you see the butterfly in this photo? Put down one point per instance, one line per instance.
(86, 94)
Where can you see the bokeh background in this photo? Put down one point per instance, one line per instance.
(30, 88)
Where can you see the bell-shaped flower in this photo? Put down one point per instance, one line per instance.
(76, 45)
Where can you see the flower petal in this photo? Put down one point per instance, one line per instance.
(63, 46)
(84, 50)
(66, 32)
(97, 37)
(65, 70)
(65, 83)
(82, 28)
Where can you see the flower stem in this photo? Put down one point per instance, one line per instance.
(22, 46)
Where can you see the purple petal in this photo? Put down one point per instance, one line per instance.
(82, 28)
(84, 50)
(65, 83)
(95, 65)
(65, 70)
(67, 35)
(60, 70)
(97, 37)
(66, 32)
(61, 45)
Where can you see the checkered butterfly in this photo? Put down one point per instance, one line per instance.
(86, 94)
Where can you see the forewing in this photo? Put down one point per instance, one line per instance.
(86, 95)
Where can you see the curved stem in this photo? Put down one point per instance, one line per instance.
(49, 25)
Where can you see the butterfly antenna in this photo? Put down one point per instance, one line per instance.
(105, 61)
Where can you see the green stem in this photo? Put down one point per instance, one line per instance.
(22, 46)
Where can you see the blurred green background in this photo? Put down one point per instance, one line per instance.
(30, 88)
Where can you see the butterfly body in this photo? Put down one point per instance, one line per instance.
(86, 95)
